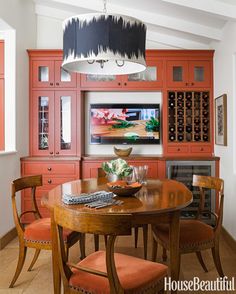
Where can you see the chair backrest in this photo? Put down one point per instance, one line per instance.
(101, 173)
(111, 225)
(217, 184)
(21, 184)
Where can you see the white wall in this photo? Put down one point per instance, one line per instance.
(225, 82)
(20, 15)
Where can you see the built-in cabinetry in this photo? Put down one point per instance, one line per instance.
(54, 171)
(57, 113)
(151, 78)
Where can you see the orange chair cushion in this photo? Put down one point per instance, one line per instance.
(40, 231)
(135, 274)
(192, 233)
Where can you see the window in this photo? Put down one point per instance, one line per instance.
(2, 127)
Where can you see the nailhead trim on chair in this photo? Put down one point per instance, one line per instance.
(192, 245)
(40, 241)
(153, 287)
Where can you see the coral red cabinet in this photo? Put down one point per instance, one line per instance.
(53, 128)
(1, 58)
(50, 74)
(150, 78)
(54, 172)
(195, 73)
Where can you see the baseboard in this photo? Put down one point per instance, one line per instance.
(228, 239)
(5, 239)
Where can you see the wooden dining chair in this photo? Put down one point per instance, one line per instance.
(195, 235)
(105, 271)
(38, 233)
(102, 174)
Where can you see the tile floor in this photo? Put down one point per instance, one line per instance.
(39, 280)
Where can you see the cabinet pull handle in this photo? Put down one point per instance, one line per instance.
(201, 149)
(119, 84)
(178, 149)
(51, 152)
(49, 181)
(125, 84)
(51, 84)
(192, 84)
(49, 168)
(186, 84)
(57, 152)
(57, 84)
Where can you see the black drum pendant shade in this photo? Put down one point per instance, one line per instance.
(104, 44)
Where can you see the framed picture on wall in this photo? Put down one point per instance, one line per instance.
(221, 120)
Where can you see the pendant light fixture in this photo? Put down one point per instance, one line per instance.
(104, 44)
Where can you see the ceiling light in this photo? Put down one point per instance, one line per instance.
(104, 44)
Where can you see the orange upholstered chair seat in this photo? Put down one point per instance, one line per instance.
(192, 232)
(135, 275)
(40, 231)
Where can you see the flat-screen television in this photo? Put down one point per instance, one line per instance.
(124, 123)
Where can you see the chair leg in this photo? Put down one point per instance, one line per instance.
(36, 255)
(154, 249)
(201, 261)
(164, 254)
(96, 242)
(21, 261)
(105, 240)
(82, 246)
(216, 257)
(135, 237)
(145, 240)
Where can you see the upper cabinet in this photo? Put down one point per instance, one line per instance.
(195, 73)
(151, 78)
(47, 72)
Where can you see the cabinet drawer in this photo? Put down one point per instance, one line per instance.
(177, 149)
(201, 149)
(50, 182)
(50, 168)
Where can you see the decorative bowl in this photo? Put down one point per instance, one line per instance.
(123, 152)
(121, 188)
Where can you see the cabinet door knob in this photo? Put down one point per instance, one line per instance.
(201, 149)
(51, 152)
(49, 168)
(51, 84)
(178, 149)
(119, 84)
(192, 84)
(57, 152)
(49, 181)
(186, 84)
(125, 84)
(57, 84)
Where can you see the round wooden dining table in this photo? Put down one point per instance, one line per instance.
(158, 201)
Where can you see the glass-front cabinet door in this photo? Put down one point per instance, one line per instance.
(64, 78)
(43, 126)
(151, 77)
(43, 73)
(177, 73)
(65, 123)
(100, 81)
(200, 73)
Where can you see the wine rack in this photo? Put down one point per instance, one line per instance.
(188, 116)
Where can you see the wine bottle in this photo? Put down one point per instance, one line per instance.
(171, 129)
(205, 137)
(205, 121)
(180, 129)
(197, 137)
(188, 128)
(197, 129)
(180, 120)
(171, 137)
(172, 103)
(180, 137)
(205, 129)
(188, 104)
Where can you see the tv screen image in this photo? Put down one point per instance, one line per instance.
(125, 124)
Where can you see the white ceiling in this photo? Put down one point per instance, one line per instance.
(187, 24)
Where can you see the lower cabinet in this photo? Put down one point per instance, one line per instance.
(156, 168)
(54, 172)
